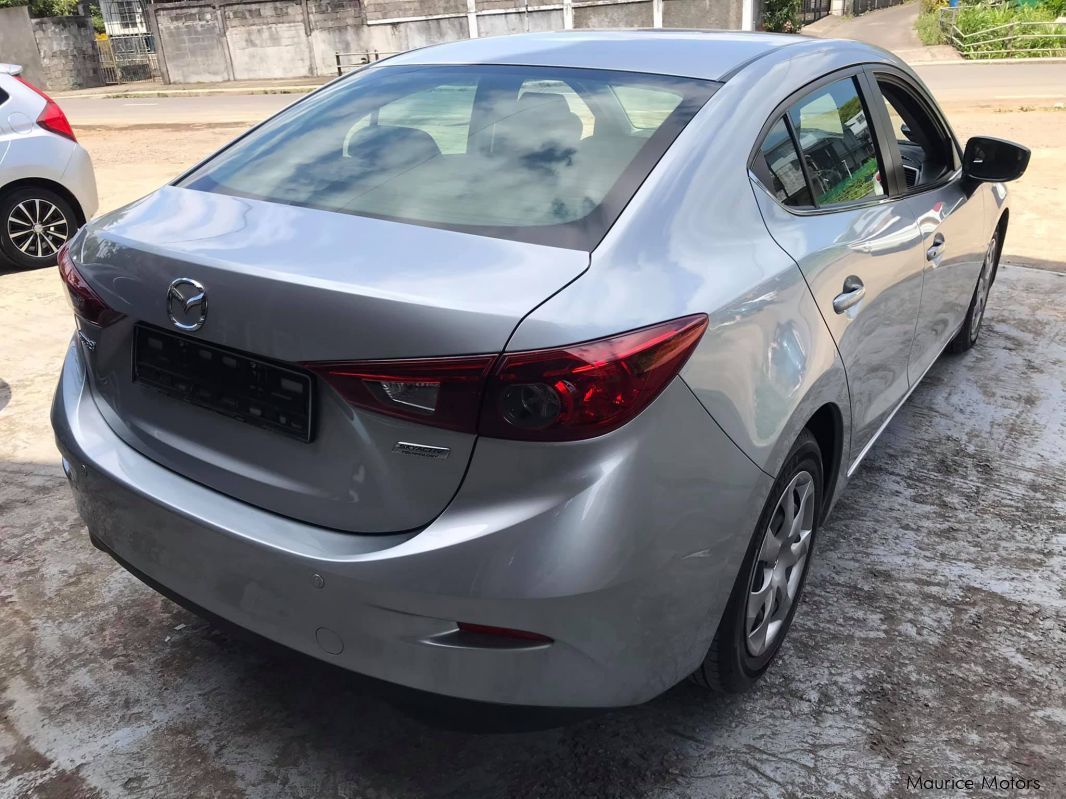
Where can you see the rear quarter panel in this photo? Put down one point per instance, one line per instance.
(693, 240)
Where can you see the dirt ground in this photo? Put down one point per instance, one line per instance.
(931, 642)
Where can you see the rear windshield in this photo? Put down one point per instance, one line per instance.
(541, 154)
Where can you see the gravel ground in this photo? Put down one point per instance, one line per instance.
(931, 640)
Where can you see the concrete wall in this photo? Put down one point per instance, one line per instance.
(622, 15)
(723, 14)
(17, 45)
(209, 40)
(67, 47)
(268, 39)
(192, 43)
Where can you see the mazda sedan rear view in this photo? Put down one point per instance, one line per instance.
(526, 369)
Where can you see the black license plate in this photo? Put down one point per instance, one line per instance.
(256, 392)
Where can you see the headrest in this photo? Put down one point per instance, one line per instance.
(541, 121)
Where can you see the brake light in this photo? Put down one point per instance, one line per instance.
(563, 394)
(86, 303)
(443, 392)
(587, 389)
(52, 117)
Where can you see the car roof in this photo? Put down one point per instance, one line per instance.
(707, 55)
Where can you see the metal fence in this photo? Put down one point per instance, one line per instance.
(125, 59)
(1013, 39)
(128, 52)
(866, 6)
(349, 61)
(813, 10)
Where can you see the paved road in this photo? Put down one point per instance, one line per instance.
(953, 84)
(1020, 83)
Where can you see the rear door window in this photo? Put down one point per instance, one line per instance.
(838, 145)
(528, 153)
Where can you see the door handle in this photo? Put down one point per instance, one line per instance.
(852, 294)
(937, 248)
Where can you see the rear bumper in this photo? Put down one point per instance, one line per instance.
(623, 550)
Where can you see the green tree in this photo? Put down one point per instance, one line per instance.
(45, 8)
(781, 16)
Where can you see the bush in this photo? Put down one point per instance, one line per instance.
(44, 8)
(1040, 39)
(928, 28)
(781, 16)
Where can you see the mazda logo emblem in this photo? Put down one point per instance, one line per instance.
(187, 304)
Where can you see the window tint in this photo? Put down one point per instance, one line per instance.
(925, 149)
(646, 108)
(837, 144)
(504, 151)
(778, 167)
(443, 112)
(577, 106)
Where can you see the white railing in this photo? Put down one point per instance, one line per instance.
(1012, 39)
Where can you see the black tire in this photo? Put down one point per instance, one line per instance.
(975, 314)
(730, 666)
(21, 243)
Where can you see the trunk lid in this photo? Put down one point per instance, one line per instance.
(289, 285)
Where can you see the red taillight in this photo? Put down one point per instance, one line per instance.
(86, 303)
(443, 392)
(503, 632)
(563, 394)
(52, 117)
(588, 389)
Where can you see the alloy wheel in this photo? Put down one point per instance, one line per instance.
(984, 283)
(37, 228)
(778, 570)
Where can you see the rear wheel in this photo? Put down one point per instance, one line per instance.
(768, 588)
(34, 224)
(975, 314)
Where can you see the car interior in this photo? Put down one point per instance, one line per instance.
(925, 150)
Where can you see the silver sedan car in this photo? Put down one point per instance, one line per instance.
(526, 369)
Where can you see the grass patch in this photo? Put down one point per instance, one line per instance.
(853, 188)
(996, 41)
(928, 28)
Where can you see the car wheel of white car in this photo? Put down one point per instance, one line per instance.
(768, 588)
(34, 224)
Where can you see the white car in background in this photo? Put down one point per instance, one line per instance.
(47, 186)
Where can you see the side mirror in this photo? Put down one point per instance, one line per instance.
(994, 160)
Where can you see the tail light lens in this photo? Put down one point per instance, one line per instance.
(563, 394)
(52, 117)
(503, 632)
(443, 392)
(86, 303)
(587, 389)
